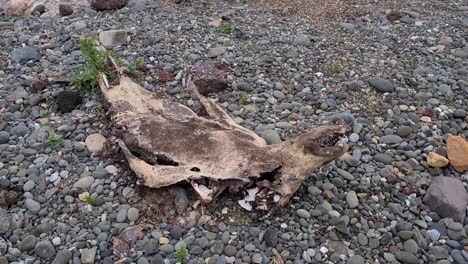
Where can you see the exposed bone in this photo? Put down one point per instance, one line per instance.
(166, 143)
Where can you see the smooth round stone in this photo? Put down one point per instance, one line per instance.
(455, 226)
(257, 258)
(406, 257)
(311, 252)
(411, 246)
(167, 248)
(404, 131)
(356, 259)
(303, 213)
(133, 214)
(95, 142)
(32, 206)
(230, 250)
(353, 138)
(28, 186)
(314, 190)
(56, 241)
(362, 239)
(28, 243)
(4, 137)
(352, 199)
(121, 215)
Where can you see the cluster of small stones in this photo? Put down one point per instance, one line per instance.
(397, 77)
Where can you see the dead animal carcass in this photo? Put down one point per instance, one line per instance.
(166, 143)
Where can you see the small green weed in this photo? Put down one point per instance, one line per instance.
(243, 97)
(90, 200)
(104, 208)
(336, 68)
(135, 65)
(227, 28)
(95, 63)
(54, 139)
(181, 254)
(247, 43)
(44, 113)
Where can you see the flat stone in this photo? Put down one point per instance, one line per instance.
(382, 85)
(32, 206)
(457, 152)
(133, 214)
(28, 243)
(113, 38)
(406, 257)
(6, 223)
(356, 259)
(25, 54)
(352, 199)
(447, 197)
(458, 257)
(95, 142)
(303, 213)
(84, 183)
(270, 136)
(411, 246)
(216, 51)
(436, 160)
(88, 255)
(62, 257)
(390, 139)
(100, 5)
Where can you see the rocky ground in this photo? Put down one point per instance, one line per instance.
(396, 72)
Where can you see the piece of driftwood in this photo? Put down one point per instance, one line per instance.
(166, 143)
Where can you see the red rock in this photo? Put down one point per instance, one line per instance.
(457, 152)
(163, 75)
(394, 16)
(209, 78)
(101, 5)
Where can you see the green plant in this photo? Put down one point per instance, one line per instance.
(243, 97)
(336, 68)
(44, 113)
(247, 43)
(104, 208)
(181, 254)
(227, 28)
(90, 200)
(135, 65)
(54, 139)
(96, 62)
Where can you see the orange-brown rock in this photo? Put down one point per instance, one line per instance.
(457, 152)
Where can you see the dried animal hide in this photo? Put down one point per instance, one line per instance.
(166, 143)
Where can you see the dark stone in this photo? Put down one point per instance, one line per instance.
(102, 5)
(65, 10)
(62, 257)
(38, 85)
(39, 8)
(271, 237)
(25, 54)
(209, 78)
(68, 101)
(3, 246)
(176, 232)
(382, 85)
(447, 197)
(157, 259)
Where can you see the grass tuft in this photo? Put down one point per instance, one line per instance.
(96, 62)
